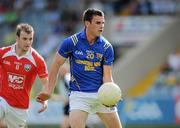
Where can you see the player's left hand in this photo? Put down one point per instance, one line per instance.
(111, 106)
(44, 106)
(42, 96)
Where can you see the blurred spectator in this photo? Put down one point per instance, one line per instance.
(174, 64)
(39, 4)
(176, 91)
(49, 44)
(164, 6)
(11, 17)
(118, 5)
(145, 7)
(52, 4)
(174, 61)
(130, 9)
(9, 38)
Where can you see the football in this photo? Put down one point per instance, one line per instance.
(109, 94)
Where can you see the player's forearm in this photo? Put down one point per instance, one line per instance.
(52, 80)
(107, 79)
(107, 74)
(53, 76)
(44, 82)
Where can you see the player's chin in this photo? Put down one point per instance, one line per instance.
(26, 49)
(99, 33)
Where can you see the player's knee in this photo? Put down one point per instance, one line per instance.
(77, 125)
(114, 125)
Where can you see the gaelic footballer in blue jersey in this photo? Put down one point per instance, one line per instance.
(91, 58)
(86, 61)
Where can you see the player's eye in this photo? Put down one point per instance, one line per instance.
(24, 38)
(98, 23)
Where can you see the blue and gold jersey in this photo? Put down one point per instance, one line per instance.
(86, 61)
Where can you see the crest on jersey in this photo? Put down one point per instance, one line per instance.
(27, 67)
(99, 56)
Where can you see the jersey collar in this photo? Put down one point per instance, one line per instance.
(13, 50)
(83, 36)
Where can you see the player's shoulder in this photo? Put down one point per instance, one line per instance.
(35, 54)
(5, 49)
(104, 40)
(75, 35)
(35, 58)
(73, 39)
(106, 44)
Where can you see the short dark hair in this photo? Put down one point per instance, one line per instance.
(90, 12)
(24, 27)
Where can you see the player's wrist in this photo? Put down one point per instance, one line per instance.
(48, 91)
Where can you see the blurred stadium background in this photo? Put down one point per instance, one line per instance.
(146, 38)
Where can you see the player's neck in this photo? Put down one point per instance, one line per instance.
(91, 39)
(20, 52)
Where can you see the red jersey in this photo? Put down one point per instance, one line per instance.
(18, 75)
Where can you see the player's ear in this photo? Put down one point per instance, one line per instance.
(86, 23)
(17, 37)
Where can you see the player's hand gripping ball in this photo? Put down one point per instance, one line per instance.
(109, 94)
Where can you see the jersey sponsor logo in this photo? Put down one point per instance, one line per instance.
(16, 81)
(27, 67)
(89, 68)
(88, 65)
(84, 62)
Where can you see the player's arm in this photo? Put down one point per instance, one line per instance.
(53, 75)
(107, 74)
(108, 60)
(44, 83)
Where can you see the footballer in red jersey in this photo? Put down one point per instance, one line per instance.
(20, 64)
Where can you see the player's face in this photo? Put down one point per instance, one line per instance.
(96, 26)
(24, 41)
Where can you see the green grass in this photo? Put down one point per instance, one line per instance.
(127, 126)
(152, 126)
